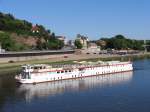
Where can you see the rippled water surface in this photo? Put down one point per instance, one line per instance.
(123, 92)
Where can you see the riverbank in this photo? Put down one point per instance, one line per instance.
(15, 66)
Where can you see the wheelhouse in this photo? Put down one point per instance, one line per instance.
(27, 70)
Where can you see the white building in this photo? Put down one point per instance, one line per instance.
(1, 50)
(92, 49)
(62, 38)
(83, 40)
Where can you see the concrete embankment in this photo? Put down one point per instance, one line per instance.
(29, 58)
(34, 55)
(68, 58)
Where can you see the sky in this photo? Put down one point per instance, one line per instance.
(92, 18)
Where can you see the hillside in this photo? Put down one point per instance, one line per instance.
(18, 35)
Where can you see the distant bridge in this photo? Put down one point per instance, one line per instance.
(145, 45)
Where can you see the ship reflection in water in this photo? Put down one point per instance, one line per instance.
(52, 88)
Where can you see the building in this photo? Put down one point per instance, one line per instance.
(92, 45)
(35, 29)
(92, 48)
(1, 50)
(62, 38)
(70, 43)
(83, 40)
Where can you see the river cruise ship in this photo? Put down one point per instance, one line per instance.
(43, 73)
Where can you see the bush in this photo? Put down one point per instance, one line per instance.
(78, 44)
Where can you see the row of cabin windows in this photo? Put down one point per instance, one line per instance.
(64, 71)
(89, 68)
(104, 67)
(80, 69)
(38, 67)
(73, 76)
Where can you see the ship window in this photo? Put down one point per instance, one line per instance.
(26, 75)
(65, 70)
(69, 70)
(62, 71)
(58, 72)
(23, 68)
(80, 69)
(35, 67)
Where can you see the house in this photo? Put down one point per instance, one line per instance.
(1, 50)
(92, 45)
(70, 43)
(83, 40)
(93, 48)
(35, 29)
(62, 38)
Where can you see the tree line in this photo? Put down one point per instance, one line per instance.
(119, 42)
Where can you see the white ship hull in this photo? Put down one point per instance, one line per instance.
(56, 75)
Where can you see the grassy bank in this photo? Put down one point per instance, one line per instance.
(7, 67)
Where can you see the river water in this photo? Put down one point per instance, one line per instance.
(122, 92)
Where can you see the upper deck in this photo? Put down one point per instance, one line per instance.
(75, 65)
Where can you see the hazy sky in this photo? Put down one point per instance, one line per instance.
(94, 18)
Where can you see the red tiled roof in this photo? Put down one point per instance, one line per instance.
(35, 28)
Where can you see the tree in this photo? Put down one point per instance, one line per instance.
(138, 45)
(6, 42)
(119, 37)
(39, 44)
(52, 36)
(49, 31)
(9, 44)
(101, 43)
(120, 42)
(78, 44)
